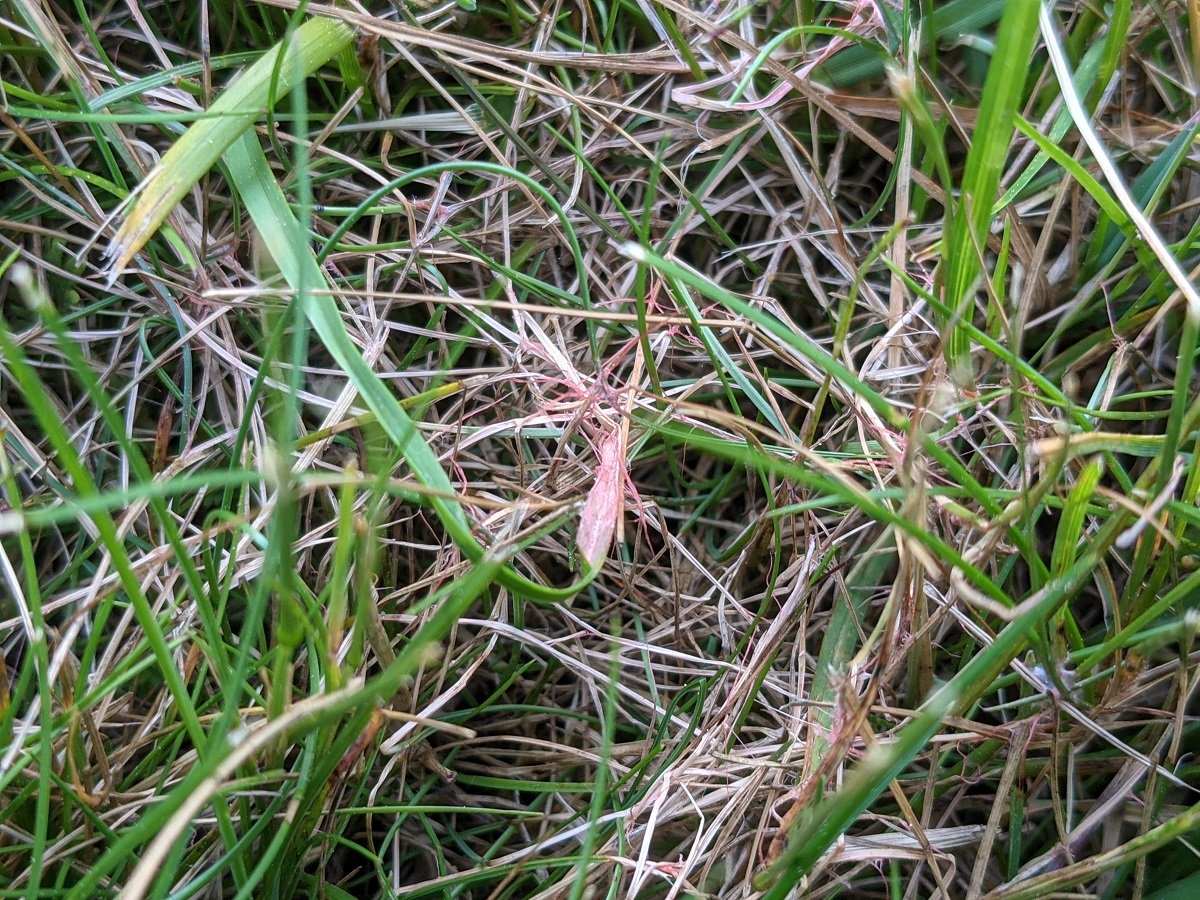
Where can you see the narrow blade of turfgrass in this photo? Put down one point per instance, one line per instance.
(965, 244)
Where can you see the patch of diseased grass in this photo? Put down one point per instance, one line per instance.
(639, 450)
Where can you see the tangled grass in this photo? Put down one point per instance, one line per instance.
(643, 450)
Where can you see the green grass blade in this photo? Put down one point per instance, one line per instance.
(243, 103)
(267, 206)
(837, 813)
(970, 220)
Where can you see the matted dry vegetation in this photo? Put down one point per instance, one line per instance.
(791, 489)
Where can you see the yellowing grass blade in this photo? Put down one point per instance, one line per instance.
(239, 106)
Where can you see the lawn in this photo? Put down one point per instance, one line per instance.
(623, 449)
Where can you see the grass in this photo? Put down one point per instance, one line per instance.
(612, 450)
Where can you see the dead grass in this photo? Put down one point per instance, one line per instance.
(853, 618)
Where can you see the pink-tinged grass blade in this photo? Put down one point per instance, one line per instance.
(605, 502)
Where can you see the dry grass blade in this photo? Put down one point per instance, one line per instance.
(243, 748)
(526, 451)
